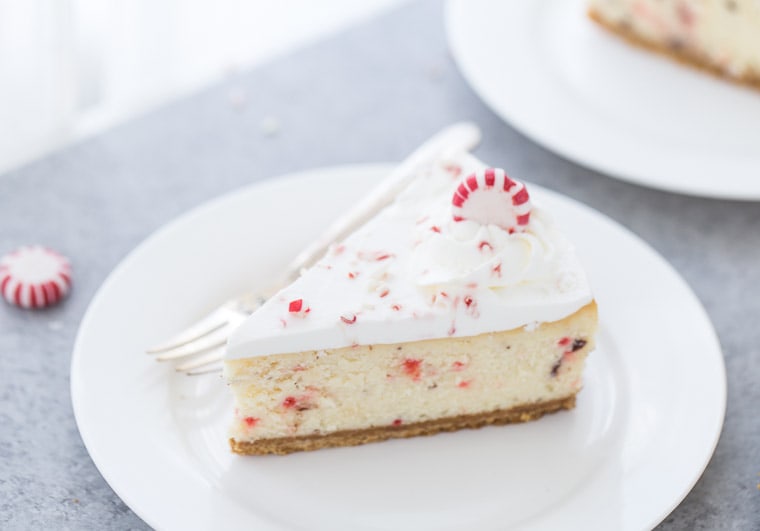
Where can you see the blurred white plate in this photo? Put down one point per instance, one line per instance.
(653, 400)
(548, 70)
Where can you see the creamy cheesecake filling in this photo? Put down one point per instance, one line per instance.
(325, 391)
(722, 33)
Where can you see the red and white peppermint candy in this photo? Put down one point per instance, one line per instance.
(490, 197)
(34, 277)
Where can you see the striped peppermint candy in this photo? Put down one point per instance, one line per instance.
(34, 277)
(489, 196)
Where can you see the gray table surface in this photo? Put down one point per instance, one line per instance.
(369, 94)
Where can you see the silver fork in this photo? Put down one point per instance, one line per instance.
(204, 341)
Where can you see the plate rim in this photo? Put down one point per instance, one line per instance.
(211, 204)
(535, 132)
(124, 263)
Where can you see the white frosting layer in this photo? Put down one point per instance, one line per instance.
(726, 33)
(412, 273)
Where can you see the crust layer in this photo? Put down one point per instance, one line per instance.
(685, 56)
(287, 445)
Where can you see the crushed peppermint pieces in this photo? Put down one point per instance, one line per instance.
(297, 308)
(412, 368)
(376, 256)
(300, 403)
(569, 348)
(348, 319)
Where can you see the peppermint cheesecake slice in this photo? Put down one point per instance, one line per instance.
(722, 36)
(459, 305)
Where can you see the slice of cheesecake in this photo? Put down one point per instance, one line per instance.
(457, 306)
(722, 36)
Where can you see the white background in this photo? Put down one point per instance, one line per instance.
(70, 68)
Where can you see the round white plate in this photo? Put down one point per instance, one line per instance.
(653, 400)
(543, 66)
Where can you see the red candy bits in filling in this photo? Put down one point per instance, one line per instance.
(412, 368)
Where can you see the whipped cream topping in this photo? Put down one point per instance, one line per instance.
(413, 273)
(467, 253)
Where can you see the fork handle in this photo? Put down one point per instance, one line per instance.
(462, 136)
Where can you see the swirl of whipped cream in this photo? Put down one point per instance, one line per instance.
(467, 253)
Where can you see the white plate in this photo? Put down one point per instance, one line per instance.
(644, 428)
(546, 68)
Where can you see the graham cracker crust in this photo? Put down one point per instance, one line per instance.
(287, 445)
(684, 55)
